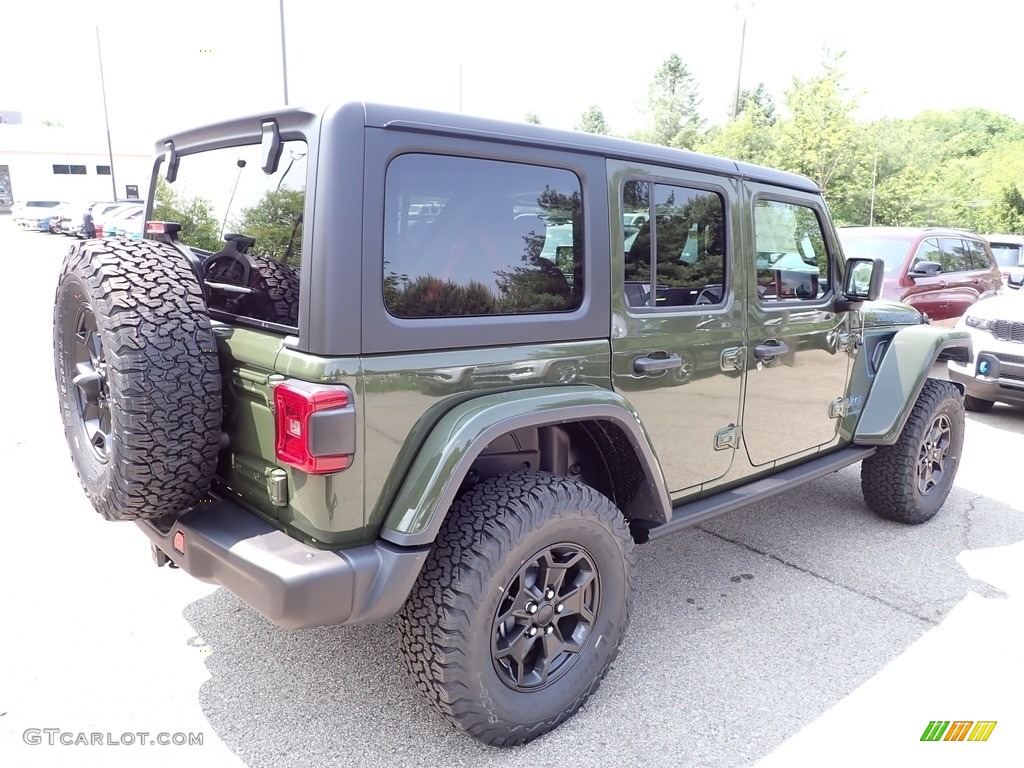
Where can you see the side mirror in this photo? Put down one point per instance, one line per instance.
(862, 280)
(925, 269)
(1015, 279)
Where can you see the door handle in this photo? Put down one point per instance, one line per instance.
(770, 349)
(657, 364)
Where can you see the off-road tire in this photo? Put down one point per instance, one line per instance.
(977, 405)
(476, 568)
(276, 285)
(892, 477)
(137, 377)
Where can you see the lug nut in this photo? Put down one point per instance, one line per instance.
(549, 593)
(531, 631)
(549, 630)
(531, 607)
(559, 608)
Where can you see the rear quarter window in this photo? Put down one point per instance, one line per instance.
(475, 237)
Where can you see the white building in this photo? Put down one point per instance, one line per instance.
(53, 163)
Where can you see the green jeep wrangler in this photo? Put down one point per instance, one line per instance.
(456, 369)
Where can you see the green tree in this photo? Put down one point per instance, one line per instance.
(593, 121)
(672, 101)
(198, 225)
(820, 138)
(276, 224)
(533, 118)
(751, 136)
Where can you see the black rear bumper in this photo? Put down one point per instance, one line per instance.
(292, 584)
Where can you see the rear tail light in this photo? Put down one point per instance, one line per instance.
(315, 426)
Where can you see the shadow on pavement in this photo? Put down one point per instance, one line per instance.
(744, 631)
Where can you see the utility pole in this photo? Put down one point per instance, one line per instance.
(284, 57)
(106, 119)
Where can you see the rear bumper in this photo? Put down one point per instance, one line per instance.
(290, 583)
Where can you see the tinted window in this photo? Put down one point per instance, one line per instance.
(792, 262)
(250, 221)
(954, 255)
(464, 236)
(927, 251)
(892, 251)
(979, 259)
(687, 239)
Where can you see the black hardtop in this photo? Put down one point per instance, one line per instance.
(234, 131)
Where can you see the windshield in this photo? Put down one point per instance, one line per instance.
(892, 251)
(1008, 254)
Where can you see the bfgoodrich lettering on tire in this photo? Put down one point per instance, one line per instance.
(909, 480)
(137, 377)
(521, 606)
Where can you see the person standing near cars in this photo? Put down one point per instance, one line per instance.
(88, 227)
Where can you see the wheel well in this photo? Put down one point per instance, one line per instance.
(596, 453)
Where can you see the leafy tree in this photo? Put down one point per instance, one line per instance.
(276, 223)
(593, 121)
(751, 136)
(1011, 213)
(673, 102)
(759, 101)
(820, 137)
(198, 225)
(533, 117)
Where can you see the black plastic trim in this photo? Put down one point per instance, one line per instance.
(759, 490)
(292, 584)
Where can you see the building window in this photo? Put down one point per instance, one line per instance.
(77, 170)
(103, 170)
(62, 169)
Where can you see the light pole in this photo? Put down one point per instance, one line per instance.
(743, 8)
(106, 119)
(284, 57)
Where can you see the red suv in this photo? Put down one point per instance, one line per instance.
(938, 271)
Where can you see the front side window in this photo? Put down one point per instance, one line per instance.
(469, 237)
(929, 255)
(250, 224)
(675, 249)
(792, 261)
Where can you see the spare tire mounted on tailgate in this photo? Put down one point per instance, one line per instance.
(137, 377)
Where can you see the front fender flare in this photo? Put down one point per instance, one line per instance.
(433, 480)
(900, 379)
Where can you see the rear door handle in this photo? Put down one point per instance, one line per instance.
(770, 349)
(657, 364)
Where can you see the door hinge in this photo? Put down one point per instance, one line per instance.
(729, 437)
(732, 359)
(839, 407)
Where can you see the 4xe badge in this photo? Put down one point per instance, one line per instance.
(958, 730)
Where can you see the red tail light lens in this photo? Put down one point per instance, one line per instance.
(315, 426)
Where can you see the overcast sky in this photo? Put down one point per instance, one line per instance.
(179, 63)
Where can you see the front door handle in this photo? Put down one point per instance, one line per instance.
(770, 349)
(657, 364)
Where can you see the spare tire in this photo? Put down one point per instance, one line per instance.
(275, 287)
(137, 377)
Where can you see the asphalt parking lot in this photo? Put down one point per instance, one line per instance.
(801, 631)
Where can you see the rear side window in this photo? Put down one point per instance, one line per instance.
(979, 259)
(675, 248)
(250, 223)
(467, 236)
(955, 257)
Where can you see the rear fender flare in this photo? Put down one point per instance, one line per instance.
(433, 480)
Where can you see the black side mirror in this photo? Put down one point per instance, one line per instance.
(925, 269)
(862, 280)
(1015, 279)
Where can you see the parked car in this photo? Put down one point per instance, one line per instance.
(936, 270)
(36, 215)
(100, 216)
(1008, 251)
(437, 422)
(995, 371)
(125, 222)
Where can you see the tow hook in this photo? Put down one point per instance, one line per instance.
(160, 558)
